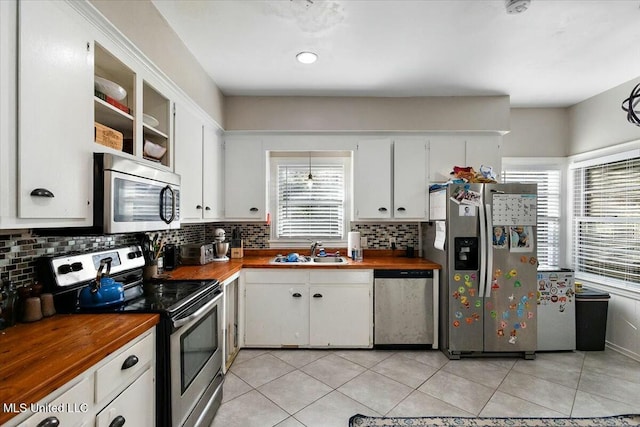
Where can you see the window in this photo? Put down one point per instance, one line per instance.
(309, 210)
(549, 179)
(606, 220)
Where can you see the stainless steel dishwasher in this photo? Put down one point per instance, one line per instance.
(403, 308)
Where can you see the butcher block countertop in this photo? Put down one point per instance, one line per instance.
(37, 358)
(254, 258)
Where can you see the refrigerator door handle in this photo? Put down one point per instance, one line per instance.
(483, 253)
(489, 249)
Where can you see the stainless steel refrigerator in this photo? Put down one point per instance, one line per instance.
(484, 236)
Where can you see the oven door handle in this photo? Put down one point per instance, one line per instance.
(178, 323)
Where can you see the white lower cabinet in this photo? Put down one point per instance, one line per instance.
(277, 315)
(134, 406)
(119, 390)
(307, 308)
(339, 316)
(71, 407)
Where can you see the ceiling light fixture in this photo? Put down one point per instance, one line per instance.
(516, 6)
(629, 105)
(306, 57)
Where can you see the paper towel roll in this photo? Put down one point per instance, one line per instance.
(353, 241)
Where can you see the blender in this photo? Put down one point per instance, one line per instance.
(220, 247)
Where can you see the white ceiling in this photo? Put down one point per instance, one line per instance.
(557, 53)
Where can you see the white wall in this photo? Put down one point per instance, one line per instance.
(537, 132)
(141, 23)
(599, 121)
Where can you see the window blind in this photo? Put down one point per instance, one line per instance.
(606, 222)
(310, 210)
(549, 199)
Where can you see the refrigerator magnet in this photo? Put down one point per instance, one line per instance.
(520, 238)
(499, 237)
(466, 210)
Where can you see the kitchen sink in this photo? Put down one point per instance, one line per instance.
(307, 260)
(329, 260)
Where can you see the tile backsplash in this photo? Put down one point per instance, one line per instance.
(20, 248)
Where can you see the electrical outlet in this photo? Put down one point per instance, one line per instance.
(363, 242)
(392, 241)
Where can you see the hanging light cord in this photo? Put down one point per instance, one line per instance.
(310, 177)
(629, 105)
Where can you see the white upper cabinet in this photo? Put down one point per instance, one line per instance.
(245, 180)
(391, 179)
(188, 162)
(449, 150)
(212, 173)
(445, 152)
(198, 160)
(410, 183)
(484, 150)
(55, 113)
(372, 179)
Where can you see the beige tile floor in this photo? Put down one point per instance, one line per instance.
(293, 388)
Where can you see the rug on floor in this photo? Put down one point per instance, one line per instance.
(618, 420)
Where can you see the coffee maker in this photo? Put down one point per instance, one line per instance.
(220, 247)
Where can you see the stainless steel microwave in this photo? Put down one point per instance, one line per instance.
(131, 196)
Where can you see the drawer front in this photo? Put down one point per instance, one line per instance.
(119, 372)
(134, 406)
(341, 276)
(71, 408)
(274, 276)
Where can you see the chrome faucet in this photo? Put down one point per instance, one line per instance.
(314, 246)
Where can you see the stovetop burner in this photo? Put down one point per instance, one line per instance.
(156, 296)
(171, 296)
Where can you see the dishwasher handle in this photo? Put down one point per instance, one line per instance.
(403, 274)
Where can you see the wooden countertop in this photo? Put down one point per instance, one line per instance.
(378, 260)
(38, 358)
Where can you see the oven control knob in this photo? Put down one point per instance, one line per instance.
(76, 266)
(65, 269)
(138, 254)
(131, 255)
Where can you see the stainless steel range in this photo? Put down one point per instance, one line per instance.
(189, 340)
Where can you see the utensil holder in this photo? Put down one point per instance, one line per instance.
(150, 271)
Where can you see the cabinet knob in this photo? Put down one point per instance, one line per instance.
(129, 362)
(317, 295)
(401, 209)
(297, 295)
(42, 192)
(117, 421)
(254, 209)
(49, 422)
(207, 208)
(382, 209)
(198, 207)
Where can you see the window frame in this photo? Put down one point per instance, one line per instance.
(547, 164)
(302, 158)
(604, 156)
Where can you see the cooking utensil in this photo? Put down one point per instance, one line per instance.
(104, 291)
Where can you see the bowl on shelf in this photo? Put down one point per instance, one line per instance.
(150, 120)
(110, 88)
(153, 150)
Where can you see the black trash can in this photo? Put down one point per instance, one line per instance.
(591, 319)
